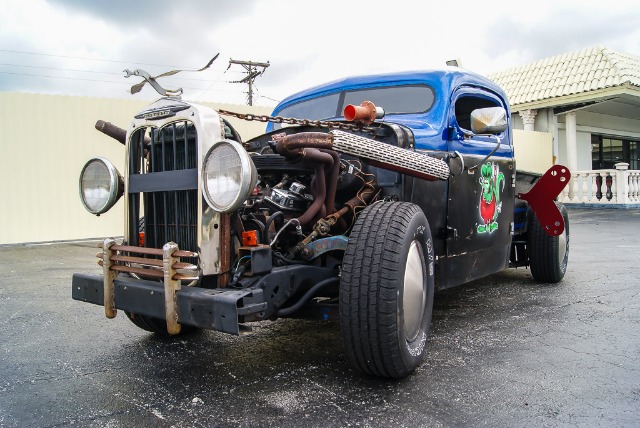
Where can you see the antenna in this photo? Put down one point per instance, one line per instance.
(252, 72)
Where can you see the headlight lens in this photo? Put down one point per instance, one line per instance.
(228, 176)
(101, 185)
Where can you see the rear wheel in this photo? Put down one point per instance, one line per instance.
(548, 255)
(386, 289)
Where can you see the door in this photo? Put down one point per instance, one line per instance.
(480, 199)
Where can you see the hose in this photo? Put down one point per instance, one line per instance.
(306, 297)
(258, 223)
(275, 238)
(287, 261)
(272, 217)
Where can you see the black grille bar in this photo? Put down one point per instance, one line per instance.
(169, 186)
(185, 179)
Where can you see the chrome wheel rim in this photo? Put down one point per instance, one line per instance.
(414, 292)
(562, 246)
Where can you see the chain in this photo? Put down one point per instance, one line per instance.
(294, 121)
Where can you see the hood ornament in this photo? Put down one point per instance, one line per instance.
(154, 83)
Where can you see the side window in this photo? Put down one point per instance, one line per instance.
(466, 104)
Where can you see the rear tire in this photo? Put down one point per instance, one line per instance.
(386, 290)
(548, 255)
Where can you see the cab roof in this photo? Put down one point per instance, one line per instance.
(443, 81)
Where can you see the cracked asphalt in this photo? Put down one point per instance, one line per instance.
(504, 352)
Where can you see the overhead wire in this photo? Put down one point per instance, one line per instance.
(98, 80)
(257, 91)
(99, 72)
(87, 59)
(202, 90)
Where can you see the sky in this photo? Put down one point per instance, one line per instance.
(81, 47)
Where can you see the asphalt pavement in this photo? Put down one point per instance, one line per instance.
(504, 351)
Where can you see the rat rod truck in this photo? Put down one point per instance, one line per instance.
(364, 196)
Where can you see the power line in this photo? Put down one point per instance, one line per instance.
(61, 68)
(258, 93)
(89, 59)
(251, 74)
(96, 72)
(96, 80)
(210, 85)
(63, 77)
(264, 96)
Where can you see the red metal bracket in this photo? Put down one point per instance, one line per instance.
(541, 198)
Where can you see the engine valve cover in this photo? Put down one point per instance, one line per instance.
(286, 200)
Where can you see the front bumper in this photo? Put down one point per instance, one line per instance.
(223, 309)
(217, 309)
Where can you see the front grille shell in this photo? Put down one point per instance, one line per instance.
(166, 144)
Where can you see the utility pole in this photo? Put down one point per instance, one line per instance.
(252, 72)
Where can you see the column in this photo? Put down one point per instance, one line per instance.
(622, 182)
(528, 119)
(572, 146)
(572, 142)
(552, 120)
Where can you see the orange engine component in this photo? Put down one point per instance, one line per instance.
(249, 238)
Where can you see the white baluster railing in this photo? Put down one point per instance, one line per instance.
(604, 186)
(634, 186)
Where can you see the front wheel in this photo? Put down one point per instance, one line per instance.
(548, 255)
(158, 326)
(386, 289)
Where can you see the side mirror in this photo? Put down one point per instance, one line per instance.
(489, 120)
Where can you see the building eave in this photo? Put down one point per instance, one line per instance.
(580, 98)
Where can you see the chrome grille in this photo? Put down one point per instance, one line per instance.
(168, 158)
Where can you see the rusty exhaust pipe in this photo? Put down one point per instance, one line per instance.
(112, 131)
(286, 144)
(323, 161)
(116, 132)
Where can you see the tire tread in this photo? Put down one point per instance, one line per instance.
(378, 234)
(543, 250)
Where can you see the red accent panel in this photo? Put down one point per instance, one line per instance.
(541, 198)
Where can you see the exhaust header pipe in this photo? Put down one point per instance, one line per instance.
(375, 152)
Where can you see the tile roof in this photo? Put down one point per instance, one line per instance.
(568, 74)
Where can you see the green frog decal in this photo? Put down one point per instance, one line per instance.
(492, 182)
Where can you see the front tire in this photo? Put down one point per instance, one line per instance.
(158, 326)
(386, 290)
(548, 255)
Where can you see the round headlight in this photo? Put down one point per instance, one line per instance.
(101, 185)
(228, 176)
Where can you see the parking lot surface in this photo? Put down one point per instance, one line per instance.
(504, 351)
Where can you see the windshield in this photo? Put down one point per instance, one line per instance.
(393, 99)
(315, 108)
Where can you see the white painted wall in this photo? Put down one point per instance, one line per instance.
(587, 123)
(609, 125)
(583, 146)
(45, 140)
(533, 150)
